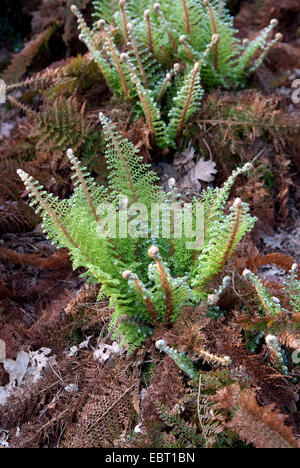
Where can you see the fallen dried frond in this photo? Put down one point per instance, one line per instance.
(263, 426)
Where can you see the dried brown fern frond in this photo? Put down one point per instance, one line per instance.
(76, 76)
(279, 259)
(37, 81)
(248, 111)
(12, 217)
(41, 410)
(284, 183)
(104, 419)
(86, 295)
(23, 59)
(57, 11)
(233, 120)
(255, 192)
(290, 338)
(108, 407)
(263, 426)
(210, 419)
(60, 125)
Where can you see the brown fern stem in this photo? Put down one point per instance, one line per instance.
(164, 87)
(149, 305)
(124, 18)
(183, 41)
(101, 25)
(19, 105)
(158, 11)
(153, 253)
(140, 94)
(137, 55)
(215, 32)
(234, 233)
(128, 275)
(28, 181)
(149, 32)
(188, 100)
(186, 15)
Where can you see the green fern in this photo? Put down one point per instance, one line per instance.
(148, 275)
(195, 38)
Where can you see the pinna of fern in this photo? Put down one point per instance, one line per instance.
(276, 315)
(148, 277)
(271, 306)
(194, 38)
(186, 364)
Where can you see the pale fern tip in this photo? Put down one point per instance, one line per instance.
(153, 252)
(160, 344)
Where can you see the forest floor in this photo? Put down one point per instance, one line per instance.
(65, 397)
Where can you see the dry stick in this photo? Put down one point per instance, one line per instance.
(137, 54)
(101, 25)
(198, 411)
(149, 31)
(188, 100)
(186, 15)
(153, 253)
(215, 32)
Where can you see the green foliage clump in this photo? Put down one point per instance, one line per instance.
(148, 273)
(163, 56)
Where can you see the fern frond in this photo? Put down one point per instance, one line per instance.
(23, 59)
(185, 363)
(115, 58)
(186, 102)
(262, 426)
(104, 9)
(181, 359)
(83, 27)
(270, 306)
(243, 68)
(274, 345)
(222, 242)
(128, 176)
(152, 113)
(60, 124)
